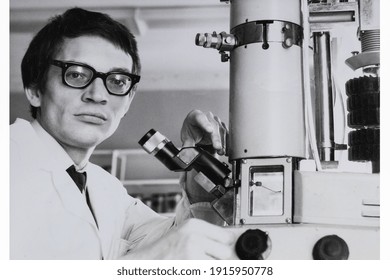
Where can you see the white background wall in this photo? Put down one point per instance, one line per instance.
(177, 75)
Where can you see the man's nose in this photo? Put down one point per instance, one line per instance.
(96, 92)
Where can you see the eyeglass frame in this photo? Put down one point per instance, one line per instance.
(64, 65)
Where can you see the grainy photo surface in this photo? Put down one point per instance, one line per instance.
(195, 130)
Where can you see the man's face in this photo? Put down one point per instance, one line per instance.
(83, 118)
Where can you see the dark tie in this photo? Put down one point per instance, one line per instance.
(79, 178)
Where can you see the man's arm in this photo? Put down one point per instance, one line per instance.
(194, 238)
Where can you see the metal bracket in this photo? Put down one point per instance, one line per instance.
(287, 33)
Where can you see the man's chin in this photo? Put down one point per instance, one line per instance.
(87, 141)
(87, 137)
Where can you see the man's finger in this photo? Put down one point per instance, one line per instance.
(222, 135)
(226, 145)
(215, 136)
(202, 121)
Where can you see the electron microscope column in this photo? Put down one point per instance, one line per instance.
(266, 92)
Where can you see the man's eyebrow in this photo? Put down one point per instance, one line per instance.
(112, 69)
(120, 69)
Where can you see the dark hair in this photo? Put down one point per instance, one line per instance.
(73, 23)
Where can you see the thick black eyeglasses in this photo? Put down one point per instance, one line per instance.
(80, 75)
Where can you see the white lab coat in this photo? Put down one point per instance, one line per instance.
(49, 217)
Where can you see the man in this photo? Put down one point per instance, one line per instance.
(80, 73)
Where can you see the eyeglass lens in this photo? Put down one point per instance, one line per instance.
(79, 76)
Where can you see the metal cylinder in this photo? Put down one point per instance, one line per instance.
(323, 96)
(266, 91)
(242, 11)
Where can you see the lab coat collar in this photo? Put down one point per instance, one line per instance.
(51, 157)
(72, 198)
(57, 152)
(56, 161)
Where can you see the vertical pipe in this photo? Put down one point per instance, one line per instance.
(324, 96)
(266, 112)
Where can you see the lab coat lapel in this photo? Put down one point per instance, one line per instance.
(105, 214)
(40, 157)
(50, 160)
(71, 197)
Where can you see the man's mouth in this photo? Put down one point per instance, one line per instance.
(92, 117)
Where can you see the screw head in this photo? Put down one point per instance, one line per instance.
(288, 42)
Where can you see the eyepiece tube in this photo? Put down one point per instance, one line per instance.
(153, 142)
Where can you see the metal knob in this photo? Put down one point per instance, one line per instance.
(252, 244)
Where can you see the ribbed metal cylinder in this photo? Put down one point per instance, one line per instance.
(370, 40)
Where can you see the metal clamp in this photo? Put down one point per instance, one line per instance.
(266, 31)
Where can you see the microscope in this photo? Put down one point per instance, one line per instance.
(286, 193)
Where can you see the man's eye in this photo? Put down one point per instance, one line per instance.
(118, 81)
(76, 75)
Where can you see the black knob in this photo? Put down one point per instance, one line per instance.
(331, 247)
(252, 244)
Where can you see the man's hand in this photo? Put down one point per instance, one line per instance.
(204, 129)
(195, 239)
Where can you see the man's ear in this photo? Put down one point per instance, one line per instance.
(34, 96)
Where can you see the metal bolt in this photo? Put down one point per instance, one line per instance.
(288, 160)
(288, 221)
(224, 57)
(288, 42)
(228, 40)
(242, 221)
(355, 53)
(243, 161)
